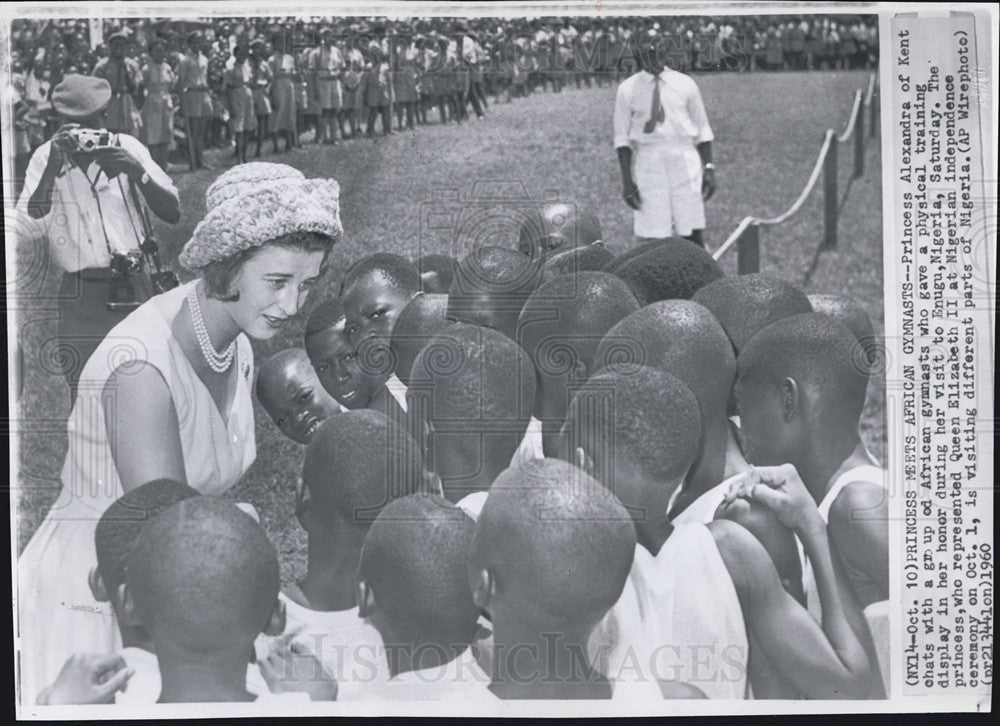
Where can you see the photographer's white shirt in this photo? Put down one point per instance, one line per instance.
(81, 215)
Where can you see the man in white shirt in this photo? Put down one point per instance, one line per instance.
(88, 204)
(664, 145)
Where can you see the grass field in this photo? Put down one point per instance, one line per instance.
(396, 191)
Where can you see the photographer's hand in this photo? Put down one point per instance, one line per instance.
(60, 150)
(63, 144)
(116, 160)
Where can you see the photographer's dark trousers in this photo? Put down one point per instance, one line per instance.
(84, 319)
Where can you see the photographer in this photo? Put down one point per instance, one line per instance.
(88, 189)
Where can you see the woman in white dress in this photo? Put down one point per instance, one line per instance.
(167, 395)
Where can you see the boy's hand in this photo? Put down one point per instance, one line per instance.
(87, 678)
(292, 668)
(780, 489)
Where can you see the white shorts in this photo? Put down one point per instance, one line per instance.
(669, 181)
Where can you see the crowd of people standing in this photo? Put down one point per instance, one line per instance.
(240, 82)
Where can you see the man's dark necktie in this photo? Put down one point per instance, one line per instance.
(656, 111)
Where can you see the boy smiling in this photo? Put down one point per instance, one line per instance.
(291, 393)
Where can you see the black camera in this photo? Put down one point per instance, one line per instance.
(122, 297)
(125, 268)
(126, 263)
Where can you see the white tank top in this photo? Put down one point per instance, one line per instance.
(702, 509)
(678, 618)
(866, 473)
(876, 614)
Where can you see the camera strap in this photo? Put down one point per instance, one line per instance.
(97, 202)
(138, 212)
(152, 256)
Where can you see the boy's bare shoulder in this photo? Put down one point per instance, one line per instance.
(857, 502)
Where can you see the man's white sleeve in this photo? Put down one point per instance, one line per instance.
(622, 117)
(696, 110)
(33, 174)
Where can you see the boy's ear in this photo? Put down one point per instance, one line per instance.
(483, 589)
(276, 624)
(791, 399)
(365, 598)
(97, 588)
(579, 371)
(129, 612)
(583, 461)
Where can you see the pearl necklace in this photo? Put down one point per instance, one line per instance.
(218, 362)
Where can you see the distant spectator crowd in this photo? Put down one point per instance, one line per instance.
(320, 79)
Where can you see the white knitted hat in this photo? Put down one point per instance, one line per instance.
(249, 220)
(245, 178)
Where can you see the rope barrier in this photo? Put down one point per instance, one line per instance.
(746, 236)
(747, 221)
(731, 239)
(854, 117)
(871, 90)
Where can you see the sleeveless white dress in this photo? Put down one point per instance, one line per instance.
(57, 614)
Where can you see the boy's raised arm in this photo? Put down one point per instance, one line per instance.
(827, 663)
